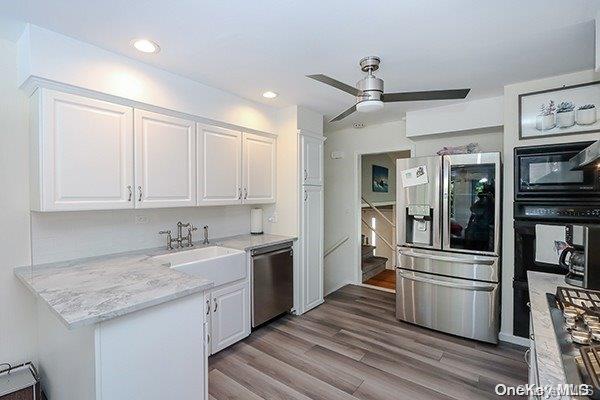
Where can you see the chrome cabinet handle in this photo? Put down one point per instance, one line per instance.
(527, 358)
(207, 306)
(476, 288)
(216, 305)
(305, 195)
(239, 193)
(140, 190)
(130, 193)
(305, 174)
(245, 193)
(207, 338)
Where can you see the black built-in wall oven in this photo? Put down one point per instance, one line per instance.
(548, 197)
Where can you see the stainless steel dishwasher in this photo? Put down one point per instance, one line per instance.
(272, 282)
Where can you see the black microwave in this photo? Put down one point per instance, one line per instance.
(544, 173)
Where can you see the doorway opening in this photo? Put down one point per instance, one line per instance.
(378, 219)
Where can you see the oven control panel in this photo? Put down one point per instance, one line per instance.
(554, 211)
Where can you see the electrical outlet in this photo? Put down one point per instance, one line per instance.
(273, 218)
(141, 219)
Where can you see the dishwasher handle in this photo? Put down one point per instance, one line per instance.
(273, 253)
(274, 249)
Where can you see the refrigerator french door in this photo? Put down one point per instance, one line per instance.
(448, 243)
(470, 203)
(454, 205)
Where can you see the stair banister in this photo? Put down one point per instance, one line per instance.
(378, 212)
(335, 246)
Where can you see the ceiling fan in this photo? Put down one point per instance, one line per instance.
(369, 90)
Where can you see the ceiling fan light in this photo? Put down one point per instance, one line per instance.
(369, 106)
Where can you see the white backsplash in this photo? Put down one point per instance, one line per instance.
(68, 235)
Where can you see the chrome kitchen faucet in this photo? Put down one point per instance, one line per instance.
(181, 241)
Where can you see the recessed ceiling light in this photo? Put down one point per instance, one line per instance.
(270, 95)
(146, 46)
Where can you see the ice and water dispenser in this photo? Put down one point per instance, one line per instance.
(419, 226)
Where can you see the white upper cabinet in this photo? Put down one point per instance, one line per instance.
(165, 161)
(259, 164)
(312, 160)
(219, 166)
(82, 153)
(88, 154)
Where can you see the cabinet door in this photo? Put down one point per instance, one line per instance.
(312, 247)
(259, 163)
(219, 166)
(230, 315)
(312, 160)
(165, 161)
(86, 150)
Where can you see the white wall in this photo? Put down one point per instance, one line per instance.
(68, 235)
(54, 57)
(17, 327)
(511, 140)
(342, 200)
(469, 115)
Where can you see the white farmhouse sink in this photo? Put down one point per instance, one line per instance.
(218, 264)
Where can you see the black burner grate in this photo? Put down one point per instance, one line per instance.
(585, 300)
(591, 360)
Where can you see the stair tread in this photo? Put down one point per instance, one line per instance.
(367, 250)
(372, 262)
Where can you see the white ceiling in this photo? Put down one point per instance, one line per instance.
(247, 47)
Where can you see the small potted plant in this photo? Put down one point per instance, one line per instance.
(586, 115)
(565, 114)
(546, 118)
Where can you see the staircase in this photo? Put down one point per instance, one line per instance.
(371, 265)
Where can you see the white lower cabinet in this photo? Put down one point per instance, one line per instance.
(228, 315)
(152, 354)
(312, 247)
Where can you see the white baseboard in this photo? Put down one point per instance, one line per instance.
(506, 337)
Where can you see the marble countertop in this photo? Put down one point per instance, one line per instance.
(549, 361)
(91, 290)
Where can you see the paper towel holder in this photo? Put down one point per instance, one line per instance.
(256, 221)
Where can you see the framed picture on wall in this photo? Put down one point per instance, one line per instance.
(561, 111)
(380, 179)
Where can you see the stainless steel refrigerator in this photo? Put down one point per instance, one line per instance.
(448, 221)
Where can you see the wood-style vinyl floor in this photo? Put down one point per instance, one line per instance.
(385, 279)
(352, 347)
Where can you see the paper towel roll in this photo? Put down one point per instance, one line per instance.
(256, 221)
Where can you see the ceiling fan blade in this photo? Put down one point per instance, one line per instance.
(344, 114)
(426, 95)
(335, 83)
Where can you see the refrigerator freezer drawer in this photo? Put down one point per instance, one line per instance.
(457, 306)
(458, 265)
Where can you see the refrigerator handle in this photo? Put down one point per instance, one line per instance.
(484, 287)
(445, 214)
